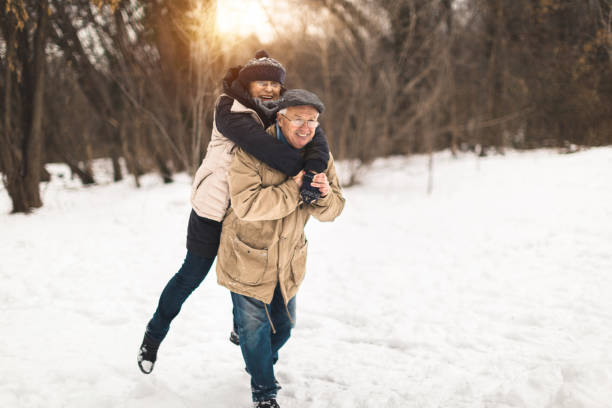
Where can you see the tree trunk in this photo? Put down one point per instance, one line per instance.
(20, 150)
(159, 158)
(494, 75)
(125, 148)
(33, 149)
(450, 72)
(87, 165)
(114, 153)
(85, 177)
(8, 154)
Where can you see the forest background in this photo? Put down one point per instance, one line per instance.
(135, 81)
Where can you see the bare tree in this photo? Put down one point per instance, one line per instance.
(24, 27)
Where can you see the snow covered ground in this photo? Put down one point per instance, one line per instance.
(495, 291)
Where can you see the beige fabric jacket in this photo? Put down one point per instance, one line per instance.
(262, 239)
(210, 191)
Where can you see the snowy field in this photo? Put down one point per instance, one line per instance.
(494, 292)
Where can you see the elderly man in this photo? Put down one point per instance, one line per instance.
(262, 255)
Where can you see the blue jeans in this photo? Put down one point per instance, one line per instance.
(259, 345)
(177, 290)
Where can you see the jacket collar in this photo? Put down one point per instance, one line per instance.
(238, 107)
(280, 136)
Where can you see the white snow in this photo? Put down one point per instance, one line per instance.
(495, 291)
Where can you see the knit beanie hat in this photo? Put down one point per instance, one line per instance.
(300, 97)
(262, 68)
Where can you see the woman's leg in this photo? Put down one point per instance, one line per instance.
(177, 290)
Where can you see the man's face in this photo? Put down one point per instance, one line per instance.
(298, 136)
(265, 90)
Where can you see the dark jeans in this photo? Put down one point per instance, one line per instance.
(258, 344)
(186, 280)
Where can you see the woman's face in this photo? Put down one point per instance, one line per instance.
(265, 90)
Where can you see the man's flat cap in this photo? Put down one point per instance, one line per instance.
(300, 97)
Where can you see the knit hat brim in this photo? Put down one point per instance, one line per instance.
(262, 68)
(262, 73)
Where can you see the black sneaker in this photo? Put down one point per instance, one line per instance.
(271, 403)
(147, 354)
(234, 338)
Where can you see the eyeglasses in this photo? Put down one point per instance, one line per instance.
(299, 122)
(265, 84)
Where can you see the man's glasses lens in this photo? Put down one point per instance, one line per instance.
(299, 122)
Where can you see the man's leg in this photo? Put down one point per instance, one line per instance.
(234, 333)
(255, 343)
(177, 290)
(283, 319)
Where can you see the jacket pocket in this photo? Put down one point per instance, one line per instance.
(298, 264)
(251, 263)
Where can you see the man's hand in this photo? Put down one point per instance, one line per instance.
(320, 181)
(298, 178)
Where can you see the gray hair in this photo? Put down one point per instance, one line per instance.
(284, 111)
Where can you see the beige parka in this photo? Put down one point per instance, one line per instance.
(262, 239)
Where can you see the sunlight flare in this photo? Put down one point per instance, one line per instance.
(245, 18)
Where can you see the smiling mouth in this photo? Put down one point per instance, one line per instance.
(266, 97)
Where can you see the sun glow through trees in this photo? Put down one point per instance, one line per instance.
(245, 17)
